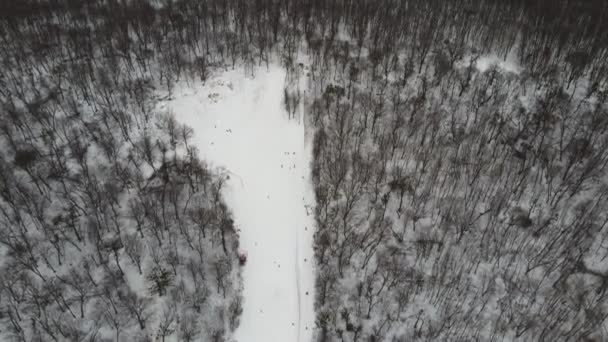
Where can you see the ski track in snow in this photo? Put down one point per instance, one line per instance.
(240, 124)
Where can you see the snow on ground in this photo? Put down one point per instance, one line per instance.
(485, 62)
(240, 125)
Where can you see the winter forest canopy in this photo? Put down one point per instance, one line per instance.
(460, 153)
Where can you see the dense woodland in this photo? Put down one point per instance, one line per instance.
(453, 203)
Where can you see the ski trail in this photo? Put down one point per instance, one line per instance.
(298, 290)
(240, 125)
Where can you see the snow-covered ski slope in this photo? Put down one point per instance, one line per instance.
(240, 124)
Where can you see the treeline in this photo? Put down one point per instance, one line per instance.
(111, 227)
(453, 204)
(191, 36)
(459, 205)
(456, 203)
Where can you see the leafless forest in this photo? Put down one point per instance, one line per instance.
(453, 203)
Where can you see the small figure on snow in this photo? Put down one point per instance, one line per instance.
(242, 257)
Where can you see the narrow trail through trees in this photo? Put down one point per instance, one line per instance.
(240, 125)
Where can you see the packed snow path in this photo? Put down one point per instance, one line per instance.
(241, 125)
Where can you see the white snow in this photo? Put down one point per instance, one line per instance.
(509, 65)
(485, 62)
(240, 125)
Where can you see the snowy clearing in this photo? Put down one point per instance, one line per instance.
(240, 125)
(485, 62)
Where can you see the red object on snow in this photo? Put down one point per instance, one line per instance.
(242, 258)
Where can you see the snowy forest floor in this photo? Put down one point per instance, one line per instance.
(241, 126)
